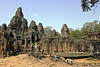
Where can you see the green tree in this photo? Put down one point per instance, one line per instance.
(88, 4)
(87, 28)
(91, 26)
(84, 33)
(98, 27)
(78, 33)
(58, 34)
(47, 28)
(75, 33)
(72, 32)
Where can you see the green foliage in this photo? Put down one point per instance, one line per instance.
(87, 28)
(72, 32)
(88, 4)
(75, 33)
(58, 34)
(84, 33)
(46, 29)
(97, 27)
(80, 33)
(91, 26)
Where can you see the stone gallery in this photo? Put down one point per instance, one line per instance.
(18, 38)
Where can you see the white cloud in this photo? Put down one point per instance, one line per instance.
(34, 14)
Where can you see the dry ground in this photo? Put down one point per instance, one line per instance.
(87, 60)
(24, 60)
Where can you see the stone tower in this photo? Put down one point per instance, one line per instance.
(64, 31)
(18, 24)
(4, 27)
(32, 32)
(40, 30)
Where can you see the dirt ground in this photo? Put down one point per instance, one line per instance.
(87, 60)
(24, 60)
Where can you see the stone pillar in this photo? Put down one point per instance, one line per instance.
(66, 47)
(72, 47)
(97, 48)
(50, 46)
(61, 48)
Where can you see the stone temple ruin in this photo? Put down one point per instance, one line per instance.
(17, 38)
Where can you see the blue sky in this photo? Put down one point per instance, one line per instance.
(53, 13)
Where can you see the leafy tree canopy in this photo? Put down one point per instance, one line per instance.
(87, 28)
(47, 28)
(88, 4)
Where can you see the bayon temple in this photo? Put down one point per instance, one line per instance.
(18, 37)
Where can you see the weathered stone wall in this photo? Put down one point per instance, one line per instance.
(64, 44)
(94, 40)
(25, 37)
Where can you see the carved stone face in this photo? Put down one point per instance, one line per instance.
(33, 26)
(54, 33)
(19, 12)
(65, 30)
(40, 28)
(4, 26)
(18, 23)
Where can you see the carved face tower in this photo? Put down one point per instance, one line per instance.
(18, 24)
(64, 31)
(19, 12)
